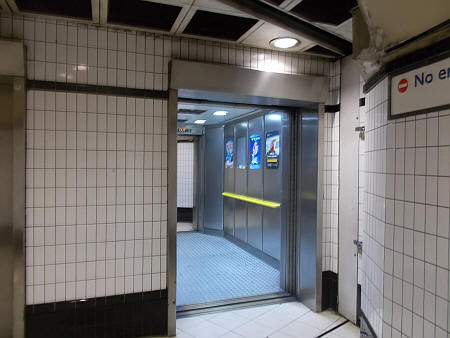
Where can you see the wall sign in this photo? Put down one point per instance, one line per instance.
(255, 151)
(272, 149)
(229, 155)
(421, 90)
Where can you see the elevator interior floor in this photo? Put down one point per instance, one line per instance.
(211, 268)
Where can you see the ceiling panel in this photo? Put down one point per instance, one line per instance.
(185, 120)
(217, 6)
(262, 36)
(220, 26)
(325, 11)
(143, 13)
(75, 9)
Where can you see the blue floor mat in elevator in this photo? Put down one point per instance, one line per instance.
(211, 268)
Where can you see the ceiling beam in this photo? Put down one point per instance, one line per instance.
(13, 6)
(103, 15)
(4, 6)
(278, 17)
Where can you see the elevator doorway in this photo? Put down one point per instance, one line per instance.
(233, 249)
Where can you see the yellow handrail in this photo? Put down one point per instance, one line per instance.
(254, 200)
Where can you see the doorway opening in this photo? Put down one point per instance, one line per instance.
(233, 167)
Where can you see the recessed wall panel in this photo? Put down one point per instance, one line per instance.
(213, 183)
(240, 210)
(273, 187)
(255, 184)
(228, 181)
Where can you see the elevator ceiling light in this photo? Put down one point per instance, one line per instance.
(220, 113)
(284, 43)
(275, 117)
(199, 121)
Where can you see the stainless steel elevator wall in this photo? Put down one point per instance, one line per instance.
(255, 189)
(214, 166)
(228, 185)
(273, 189)
(240, 183)
(258, 226)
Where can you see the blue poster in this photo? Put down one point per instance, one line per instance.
(229, 154)
(255, 151)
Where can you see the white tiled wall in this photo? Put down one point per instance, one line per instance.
(405, 264)
(96, 165)
(331, 177)
(96, 180)
(185, 175)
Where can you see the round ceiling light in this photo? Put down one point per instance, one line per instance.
(284, 43)
(199, 121)
(220, 113)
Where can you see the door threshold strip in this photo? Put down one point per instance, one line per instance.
(237, 303)
(332, 329)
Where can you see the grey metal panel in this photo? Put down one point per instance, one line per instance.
(201, 184)
(273, 191)
(255, 189)
(12, 206)
(196, 168)
(228, 186)
(308, 273)
(240, 207)
(172, 212)
(348, 192)
(241, 81)
(287, 229)
(214, 163)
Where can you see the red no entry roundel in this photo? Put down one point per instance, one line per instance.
(402, 85)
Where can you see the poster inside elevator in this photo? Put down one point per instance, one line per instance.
(229, 154)
(255, 151)
(272, 149)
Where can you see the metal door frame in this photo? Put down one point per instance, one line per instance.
(12, 228)
(239, 85)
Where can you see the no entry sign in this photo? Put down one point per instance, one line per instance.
(420, 90)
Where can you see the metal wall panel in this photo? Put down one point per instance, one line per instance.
(309, 228)
(228, 185)
(273, 191)
(287, 230)
(255, 189)
(240, 207)
(214, 166)
(12, 205)
(201, 184)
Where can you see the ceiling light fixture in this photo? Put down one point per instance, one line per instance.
(220, 113)
(284, 43)
(275, 117)
(199, 121)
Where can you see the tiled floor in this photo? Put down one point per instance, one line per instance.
(212, 268)
(287, 320)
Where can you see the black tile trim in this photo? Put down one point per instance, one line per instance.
(129, 315)
(362, 101)
(329, 290)
(412, 60)
(366, 329)
(94, 89)
(334, 108)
